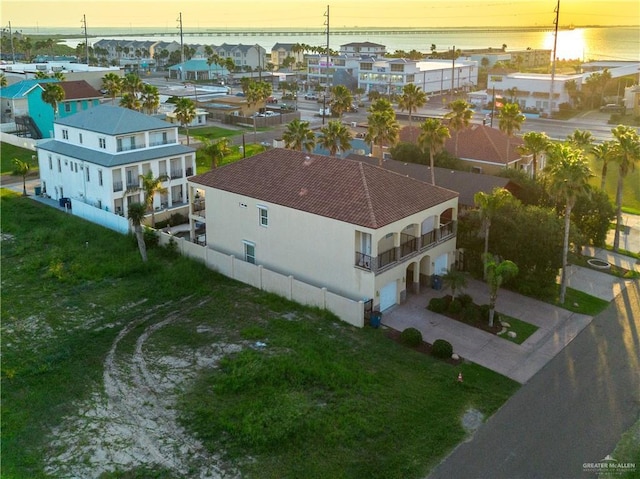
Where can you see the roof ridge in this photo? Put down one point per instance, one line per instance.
(493, 144)
(365, 186)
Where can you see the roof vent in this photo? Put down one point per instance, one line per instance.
(307, 161)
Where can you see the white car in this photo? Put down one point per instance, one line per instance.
(325, 112)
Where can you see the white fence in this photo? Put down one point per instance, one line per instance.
(259, 277)
(27, 143)
(101, 217)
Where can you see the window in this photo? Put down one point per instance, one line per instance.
(59, 166)
(50, 163)
(366, 66)
(67, 107)
(100, 177)
(65, 134)
(80, 138)
(395, 67)
(102, 142)
(263, 214)
(249, 252)
(86, 172)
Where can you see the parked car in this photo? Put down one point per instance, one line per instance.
(325, 112)
(310, 96)
(611, 107)
(272, 100)
(271, 113)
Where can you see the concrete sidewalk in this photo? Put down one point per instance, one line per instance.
(520, 362)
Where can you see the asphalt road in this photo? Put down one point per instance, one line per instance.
(571, 413)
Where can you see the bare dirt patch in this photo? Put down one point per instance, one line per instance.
(130, 419)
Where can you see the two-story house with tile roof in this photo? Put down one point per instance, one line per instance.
(358, 230)
(96, 157)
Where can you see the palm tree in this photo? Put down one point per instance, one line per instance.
(299, 136)
(335, 137)
(185, 113)
(581, 139)
(3, 80)
(412, 98)
(149, 98)
(112, 83)
(230, 65)
(459, 118)
(136, 213)
(383, 127)
(216, 150)
(132, 84)
(627, 154)
(488, 205)
(568, 173)
(151, 186)
(604, 152)
(497, 273)
(432, 139)
(510, 121)
(21, 168)
(130, 101)
(535, 143)
(53, 94)
(454, 279)
(341, 100)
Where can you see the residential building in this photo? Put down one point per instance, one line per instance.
(280, 51)
(360, 49)
(323, 74)
(529, 58)
(97, 156)
(358, 230)
(252, 56)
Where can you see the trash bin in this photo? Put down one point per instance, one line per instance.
(436, 282)
(376, 317)
(38, 190)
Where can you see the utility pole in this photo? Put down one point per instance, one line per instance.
(181, 47)
(86, 40)
(326, 88)
(553, 62)
(453, 70)
(13, 51)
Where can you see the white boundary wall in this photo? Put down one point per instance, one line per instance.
(347, 310)
(100, 217)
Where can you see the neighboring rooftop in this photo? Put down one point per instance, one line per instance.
(113, 120)
(344, 190)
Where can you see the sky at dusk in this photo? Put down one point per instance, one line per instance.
(201, 14)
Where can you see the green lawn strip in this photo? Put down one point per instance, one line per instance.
(627, 451)
(624, 252)
(322, 399)
(586, 304)
(630, 190)
(210, 132)
(203, 161)
(522, 329)
(612, 270)
(9, 152)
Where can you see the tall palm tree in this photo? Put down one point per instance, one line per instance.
(216, 150)
(136, 213)
(383, 128)
(149, 98)
(568, 172)
(412, 98)
(298, 136)
(341, 100)
(335, 137)
(459, 117)
(535, 143)
(510, 121)
(627, 154)
(112, 83)
(433, 136)
(185, 113)
(497, 273)
(53, 94)
(151, 186)
(488, 205)
(581, 139)
(21, 168)
(604, 153)
(130, 101)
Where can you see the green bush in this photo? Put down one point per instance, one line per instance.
(437, 305)
(442, 349)
(455, 307)
(151, 239)
(465, 299)
(471, 314)
(411, 337)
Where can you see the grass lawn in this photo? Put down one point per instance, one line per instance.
(203, 162)
(630, 190)
(587, 304)
(290, 391)
(522, 329)
(9, 152)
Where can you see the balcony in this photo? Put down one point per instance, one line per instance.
(117, 186)
(130, 147)
(198, 207)
(408, 245)
(133, 185)
(177, 173)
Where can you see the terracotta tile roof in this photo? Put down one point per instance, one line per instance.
(78, 90)
(483, 143)
(349, 191)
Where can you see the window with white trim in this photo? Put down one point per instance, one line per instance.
(102, 142)
(263, 215)
(65, 134)
(249, 252)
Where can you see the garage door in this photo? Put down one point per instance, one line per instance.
(388, 295)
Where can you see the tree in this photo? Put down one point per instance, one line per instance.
(432, 138)
(216, 150)
(298, 136)
(454, 279)
(21, 168)
(53, 94)
(535, 143)
(568, 173)
(626, 155)
(3, 80)
(497, 273)
(130, 101)
(459, 118)
(581, 139)
(383, 126)
(604, 153)
(185, 112)
(412, 98)
(488, 205)
(335, 137)
(112, 83)
(136, 213)
(341, 100)
(131, 83)
(149, 98)
(510, 121)
(592, 215)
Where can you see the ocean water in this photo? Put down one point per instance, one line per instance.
(591, 43)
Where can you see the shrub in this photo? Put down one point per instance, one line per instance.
(437, 305)
(411, 337)
(442, 349)
(151, 239)
(484, 312)
(465, 299)
(455, 307)
(471, 314)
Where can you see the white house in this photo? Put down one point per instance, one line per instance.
(358, 230)
(96, 157)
